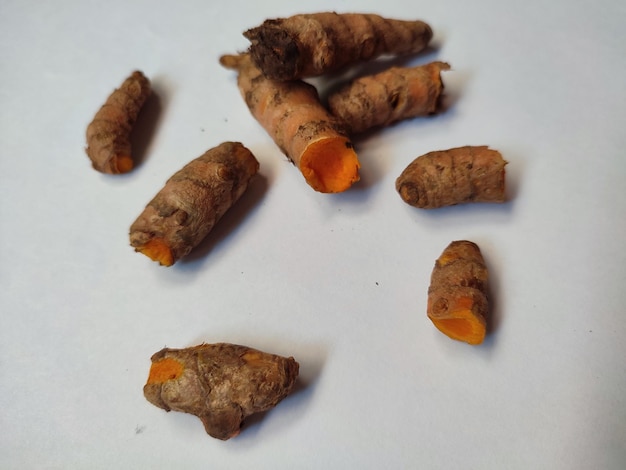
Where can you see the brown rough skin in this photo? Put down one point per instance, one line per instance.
(312, 44)
(221, 383)
(397, 93)
(293, 116)
(108, 135)
(455, 176)
(182, 214)
(457, 297)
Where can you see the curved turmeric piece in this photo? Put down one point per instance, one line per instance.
(222, 384)
(395, 94)
(108, 135)
(182, 214)
(312, 44)
(457, 296)
(303, 129)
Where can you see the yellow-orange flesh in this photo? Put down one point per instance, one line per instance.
(164, 370)
(458, 304)
(460, 320)
(124, 164)
(330, 165)
(465, 327)
(157, 250)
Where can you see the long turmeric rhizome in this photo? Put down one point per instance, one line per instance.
(293, 116)
(192, 201)
(457, 296)
(309, 45)
(221, 383)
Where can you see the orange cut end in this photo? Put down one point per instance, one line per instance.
(462, 326)
(124, 164)
(330, 165)
(157, 250)
(164, 370)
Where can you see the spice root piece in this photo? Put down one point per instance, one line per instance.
(454, 176)
(108, 134)
(457, 296)
(392, 95)
(222, 384)
(291, 113)
(182, 214)
(308, 45)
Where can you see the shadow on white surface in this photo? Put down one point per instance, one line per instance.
(231, 221)
(332, 82)
(147, 124)
(292, 406)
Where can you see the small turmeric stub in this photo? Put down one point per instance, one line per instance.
(454, 176)
(108, 134)
(457, 297)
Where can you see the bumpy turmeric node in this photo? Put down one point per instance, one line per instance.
(183, 213)
(392, 95)
(222, 384)
(108, 135)
(457, 296)
(293, 116)
(455, 176)
(308, 45)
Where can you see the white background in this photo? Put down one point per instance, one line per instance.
(337, 281)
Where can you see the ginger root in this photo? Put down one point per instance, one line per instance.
(312, 44)
(387, 97)
(222, 384)
(455, 176)
(182, 214)
(457, 296)
(303, 129)
(108, 135)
